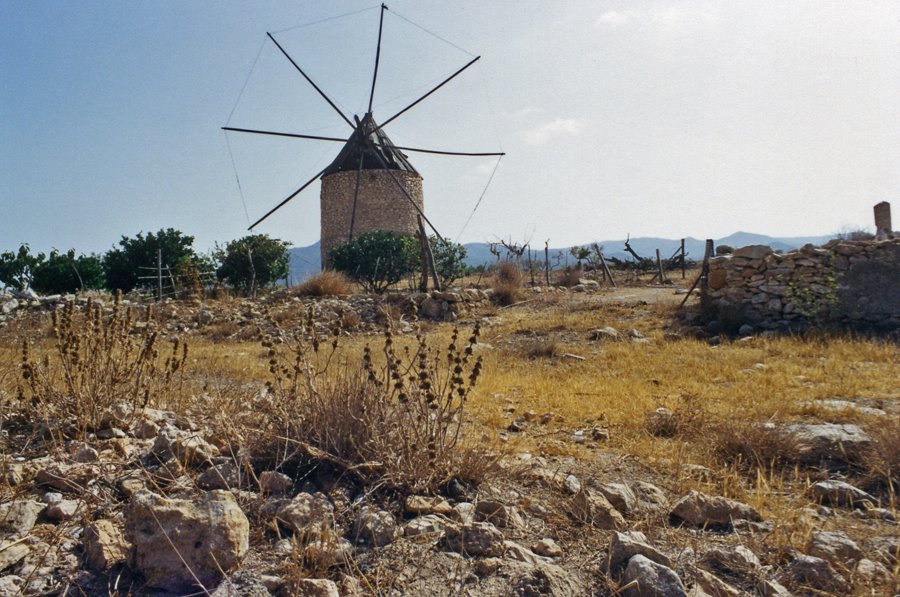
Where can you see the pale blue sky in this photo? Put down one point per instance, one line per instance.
(649, 118)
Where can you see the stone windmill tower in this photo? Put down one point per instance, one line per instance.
(370, 185)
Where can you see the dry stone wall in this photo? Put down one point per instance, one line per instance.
(381, 205)
(846, 282)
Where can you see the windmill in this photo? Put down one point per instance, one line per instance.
(370, 185)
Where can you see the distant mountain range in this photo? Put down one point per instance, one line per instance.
(306, 261)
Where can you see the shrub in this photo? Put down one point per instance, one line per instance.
(882, 460)
(326, 283)
(507, 284)
(449, 260)
(253, 262)
(63, 272)
(99, 362)
(751, 445)
(398, 424)
(122, 266)
(570, 277)
(377, 260)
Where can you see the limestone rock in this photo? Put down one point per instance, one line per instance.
(833, 546)
(737, 561)
(104, 545)
(314, 587)
(839, 493)
(498, 514)
(307, 514)
(477, 539)
(420, 504)
(11, 553)
(650, 497)
(72, 478)
(651, 579)
(430, 524)
(701, 510)
(816, 573)
(209, 535)
(375, 527)
(624, 546)
(752, 252)
(547, 547)
(872, 573)
(711, 585)
(592, 507)
(273, 482)
(829, 441)
(189, 448)
(220, 476)
(62, 509)
(18, 517)
(620, 496)
(607, 333)
(328, 550)
(463, 513)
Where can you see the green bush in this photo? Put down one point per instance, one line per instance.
(449, 260)
(122, 266)
(377, 260)
(253, 262)
(64, 272)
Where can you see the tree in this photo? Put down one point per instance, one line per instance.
(253, 262)
(64, 272)
(122, 266)
(449, 260)
(378, 259)
(17, 269)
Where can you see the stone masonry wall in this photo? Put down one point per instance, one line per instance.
(847, 282)
(381, 205)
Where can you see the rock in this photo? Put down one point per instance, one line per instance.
(209, 536)
(145, 429)
(273, 482)
(420, 504)
(86, 454)
(11, 553)
(430, 524)
(9, 306)
(872, 573)
(520, 553)
(328, 550)
(829, 442)
(72, 478)
(18, 517)
(307, 514)
(593, 507)
(547, 547)
(817, 574)
(220, 476)
(624, 546)
(313, 587)
(11, 585)
(487, 566)
(651, 579)
(375, 527)
(498, 514)
(833, 546)
(771, 588)
(477, 539)
(104, 545)
(701, 510)
(607, 333)
(60, 510)
(752, 252)
(711, 585)
(650, 497)
(620, 496)
(838, 493)
(571, 484)
(887, 549)
(463, 513)
(745, 330)
(737, 561)
(542, 578)
(662, 422)
(189, 448)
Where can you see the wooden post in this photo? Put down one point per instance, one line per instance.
(683, 261)
(429, 256)
(159, 274)
(423, 275)
(659, 268)
(547, 260)
(530, 266)
(703, 278)
(252, 273)
(606, 270)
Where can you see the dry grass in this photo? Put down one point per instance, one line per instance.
(326, 283)
(507, 284)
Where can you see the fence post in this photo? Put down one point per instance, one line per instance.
(159, 275)
(683, 261)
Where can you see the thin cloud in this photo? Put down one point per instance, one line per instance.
(561, 127)
(615, 18)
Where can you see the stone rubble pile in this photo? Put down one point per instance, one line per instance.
(852, 282)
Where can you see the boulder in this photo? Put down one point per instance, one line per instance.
(839, 493)
(592, 507)
(307, 514)
(624, 546)
(829, 441)
(737, 561)
(12, 552)
(815, 573)
(547, 547)
(651, 579)
(220, 476)
(702, 510)
(420, 504)
(620, 496)
(706, 583)
(375, 527)
(833, 546)
(752, 252)
(104, 545)
(273, 482)
(498, 514)
(477, 539)
(649, 496)
(179, 544)
(871, 572)
(430, 524)
(189, 448)
(18, 516)
(607, 333)
(313, 587)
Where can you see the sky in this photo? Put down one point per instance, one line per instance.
(648, 118)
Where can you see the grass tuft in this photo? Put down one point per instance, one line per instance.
(326, 283)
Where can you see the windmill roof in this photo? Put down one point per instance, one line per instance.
(376, 144)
